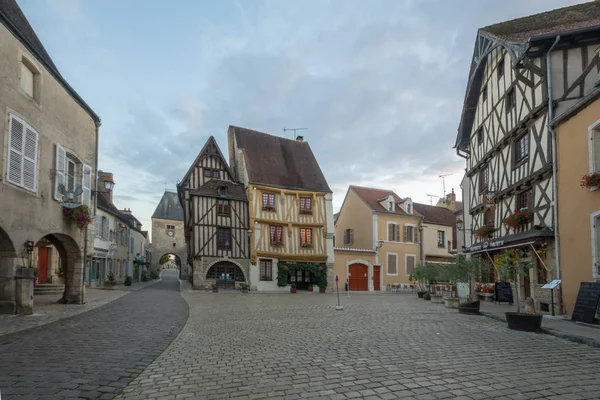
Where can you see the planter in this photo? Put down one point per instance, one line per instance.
(244, 290)
(471, 307)
(420, 294)
(524, 322)
(293, 290)
(489, 297)
(110, 287)
(322, 290)
(437, 298)
(426, 296)
(451, 302)
(310, 288)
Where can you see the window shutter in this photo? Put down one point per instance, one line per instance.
(397, 233)
(345, 236)
(405, 233)
(352, 236)
(86, 185)
(61, 162)
(595, 164)
(392, 267)
(416, 234)
(15, 151)
(410, 265)
(30, 160)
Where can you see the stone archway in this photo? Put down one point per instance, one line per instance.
(7, 272)
(178, 260)
(72, 262)
(225, 273)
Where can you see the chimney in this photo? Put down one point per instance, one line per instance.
(127, 211)
(451, 197)
(300, 138)
(105, 176)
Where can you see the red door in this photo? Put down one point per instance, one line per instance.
(43, 264)
(377, 277)
(359, 277)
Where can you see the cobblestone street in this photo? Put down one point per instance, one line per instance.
(96, 353)
(379, 347)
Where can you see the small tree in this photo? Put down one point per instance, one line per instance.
(514, 266)
(468, 270)
(431, 273)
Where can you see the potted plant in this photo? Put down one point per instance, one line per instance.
(110, 283)
(215, 288)
(244, 287)
(514, 265)
(473, 268)
(322, 286)
(417, 278)
(128, 281)
(293, 288)
(80, 215)
(518, 219)
(591, 181)
(451, 273)
(485, 231)
(310, 288)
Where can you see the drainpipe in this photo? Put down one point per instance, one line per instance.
(97, 124)
(421, 238)
(554, 157)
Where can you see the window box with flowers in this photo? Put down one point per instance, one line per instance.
(485, 291)
(591, 181)
(80, 215)
(518, 219)
(268, 208)
(306, 245)
(277, 244)
(485, 232)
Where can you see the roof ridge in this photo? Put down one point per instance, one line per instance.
(267, 134)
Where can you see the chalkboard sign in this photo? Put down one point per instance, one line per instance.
(503, 293)
(587, 302)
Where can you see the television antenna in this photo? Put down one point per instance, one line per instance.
(294, 130)
(443, 176)
(431, 196)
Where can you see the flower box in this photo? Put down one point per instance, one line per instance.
(306, 245)
(591, 181)
(305, 211)
(519, 218)
(268, 208)
(485, 231)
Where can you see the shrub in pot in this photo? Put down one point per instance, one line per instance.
(310, 288)
(128, 281)
(293, 288)
(110, 282)
(244, 287)
(426, 296)
(215, 288)
(470, 307)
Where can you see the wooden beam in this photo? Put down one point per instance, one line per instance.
(293, 257)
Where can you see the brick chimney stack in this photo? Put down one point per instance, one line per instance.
(105, 176)
(300, 138)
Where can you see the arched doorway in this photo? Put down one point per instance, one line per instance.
(358, 277)
(169, 261)
(7, 273)
(225, 274)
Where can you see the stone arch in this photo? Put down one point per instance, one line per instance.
(209, 266)
(217, 268)
(7, 272)
(72, 261)
(178, 259)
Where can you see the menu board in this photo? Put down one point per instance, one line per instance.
(503, 293)
(586, 305)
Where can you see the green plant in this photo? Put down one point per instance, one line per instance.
(244, 286)
(590, 180)
(518, 218)
(80, 215)
(110, 280)
(293, 286)
(319, 271)
(514, 266)
(163, 259)
(128, 281)
(60, 271)
(485, 231)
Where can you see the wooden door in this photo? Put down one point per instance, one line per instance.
(377, 277)
(527, 285)
(42, 264)
(359, 277)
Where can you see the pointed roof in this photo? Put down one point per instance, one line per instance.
(169, 207)
(210, 148)
(13, 18)
(373, 196)
(280, 162)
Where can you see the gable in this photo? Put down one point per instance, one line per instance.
(209, 164)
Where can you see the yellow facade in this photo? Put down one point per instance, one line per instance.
(578, 208)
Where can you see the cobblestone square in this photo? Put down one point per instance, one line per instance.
(379, 347)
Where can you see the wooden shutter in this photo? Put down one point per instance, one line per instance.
(595, 151)
(390, 233)
(60, 167)
(596, 253)
(392, 267)
(416, 235)
(15, 151)
(397, 233)
(346, 231)
(351, 235)
(86, 185)
(30, 159)
(405, 233)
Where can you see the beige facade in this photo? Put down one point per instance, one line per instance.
(578, 151)
(349, 259)
(168, 238)
(39, 116)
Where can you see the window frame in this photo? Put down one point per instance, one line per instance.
(348, 236)
(305, 210)
(268, 201)
(307, 241)
(267, 272)
(519, 200)
(484, 177)
(221, 246)
(36, 78)
(414, 256)
(413, 229)
(518, 148)
(273, 233)
(500, 68)
(511, 100)
(595, 247)
(594, 137)
(223, 210)
(441, 244)
(387, 263)
(480, 136)
(396, 235)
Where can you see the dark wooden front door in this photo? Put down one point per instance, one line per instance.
(302, 279)
(225, 274)
(359, 277)
(42, 264)
(527, 285)
(377, 277)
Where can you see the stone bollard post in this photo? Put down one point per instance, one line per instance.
(24, 290)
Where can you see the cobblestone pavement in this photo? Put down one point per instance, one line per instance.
(379, 347)
(96, 353)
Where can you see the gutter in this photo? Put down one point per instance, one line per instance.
(554, 158)
(85, 243)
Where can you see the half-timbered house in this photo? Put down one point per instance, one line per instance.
(291, 212)
(215, 212)
(524, 74)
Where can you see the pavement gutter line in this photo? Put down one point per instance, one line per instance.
(553, 332)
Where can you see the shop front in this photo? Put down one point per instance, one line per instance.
(305, 276)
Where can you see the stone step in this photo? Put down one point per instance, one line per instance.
(51, 285)
(48, 288)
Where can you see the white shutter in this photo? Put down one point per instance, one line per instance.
(60, 168)
(30, 159)
(86, 185)
(595, 151)
(16, 138)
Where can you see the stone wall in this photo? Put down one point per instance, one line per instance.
(202, 265)
(164, 244)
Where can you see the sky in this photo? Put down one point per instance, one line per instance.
(379, 84)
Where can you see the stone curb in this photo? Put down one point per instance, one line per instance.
(554, 332)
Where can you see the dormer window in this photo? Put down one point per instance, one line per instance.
(391, 206)
(223, 191)
(409, 208)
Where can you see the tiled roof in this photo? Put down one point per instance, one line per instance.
(276, 161)
(131, 219)
(169, 207)
(373, 196)
(564, 19)
(353, 250)
(235, 191)
(435, 215)
(105, 204)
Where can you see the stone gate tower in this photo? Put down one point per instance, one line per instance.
(168, 232)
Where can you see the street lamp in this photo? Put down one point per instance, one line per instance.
(109, 184)
(460, 225)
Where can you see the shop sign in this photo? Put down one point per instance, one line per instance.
(490, 244)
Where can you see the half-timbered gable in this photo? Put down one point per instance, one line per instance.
(505, 133)
(216, 220)
(291, 214)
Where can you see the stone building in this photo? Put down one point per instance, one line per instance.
(48, 148)
(136, 257)
(168, 235)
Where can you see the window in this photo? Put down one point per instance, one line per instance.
(392, 264)
(409, 234)
(22, 154)
(216, 174)
(105, 228)
(409, 263)
(70, 173)
(594, 147)
(276, 234)
(131, 245)
(393, 232)
(484, 94)
(98, 228)
(171, 227)
(223, 208)
(522, 200)
(489, 218)
(29, 79)
(268, 201)
(511, 100)
(348, 236)
(479, 136)
(207, 173)
(223, 191)
(224, 238)
(501, 68)
(305, 237)
(305, 205)
(595, 220)
(409, 208)
(441, 239)
(266, 270)
(542, 274)
(521, 147)
(484, 179)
